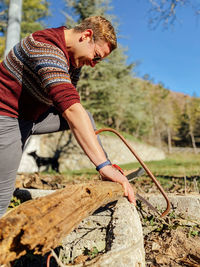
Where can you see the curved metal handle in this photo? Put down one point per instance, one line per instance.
(143, 165)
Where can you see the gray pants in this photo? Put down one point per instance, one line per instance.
(13, 135)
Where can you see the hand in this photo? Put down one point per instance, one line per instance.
(112, 174)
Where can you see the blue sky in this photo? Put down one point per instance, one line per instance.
(169, 56)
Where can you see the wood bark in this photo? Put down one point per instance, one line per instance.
(169, 139)
(41, 224)
(193, 142)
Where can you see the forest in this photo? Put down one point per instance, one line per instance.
(111, 91)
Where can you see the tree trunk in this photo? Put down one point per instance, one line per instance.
(169, 139)
(193, 142)
(14, 24)
(42, 223)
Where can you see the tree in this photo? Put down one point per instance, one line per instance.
(155, 98)
(14, 24)
(168, 119)
(174, 113)
(103, 90)
(165, 11)
(33, 12)
(138, 121)
(2, 16)
(3, 25)
(193, 112)
(82, 9)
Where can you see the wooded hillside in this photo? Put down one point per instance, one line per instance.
(112, 93)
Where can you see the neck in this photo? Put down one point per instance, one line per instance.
(69, 38)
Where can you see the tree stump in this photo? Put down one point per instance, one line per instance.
(41, 224)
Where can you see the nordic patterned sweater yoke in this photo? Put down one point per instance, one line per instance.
(36, 74)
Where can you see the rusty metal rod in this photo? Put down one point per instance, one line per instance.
(143, 165)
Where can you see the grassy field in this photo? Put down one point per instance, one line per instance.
(183, 164)
(175, 165)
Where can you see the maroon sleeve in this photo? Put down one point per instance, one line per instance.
(51, 63)
(63, 96)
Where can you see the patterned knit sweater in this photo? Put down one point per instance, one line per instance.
(36, 74)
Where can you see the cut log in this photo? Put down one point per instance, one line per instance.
(41, 224)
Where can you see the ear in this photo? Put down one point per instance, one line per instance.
(87, 34)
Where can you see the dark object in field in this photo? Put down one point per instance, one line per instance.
(46, 161)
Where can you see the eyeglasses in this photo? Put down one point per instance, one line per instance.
(97, 59)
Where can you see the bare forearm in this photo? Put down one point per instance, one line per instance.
(81, 127)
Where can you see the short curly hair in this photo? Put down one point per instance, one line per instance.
(102, 30)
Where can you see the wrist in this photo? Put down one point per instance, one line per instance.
(102, 165)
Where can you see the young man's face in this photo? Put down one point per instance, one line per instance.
(88, 52)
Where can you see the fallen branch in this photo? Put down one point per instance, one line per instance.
(41, 224)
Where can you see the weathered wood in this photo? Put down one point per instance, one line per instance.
(41, 224)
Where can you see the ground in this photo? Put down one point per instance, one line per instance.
(170, 241)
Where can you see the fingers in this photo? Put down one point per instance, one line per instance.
(129, 193)
(112, 174)
(126, 191)
(131, 196)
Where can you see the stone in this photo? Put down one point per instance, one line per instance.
(27, 163)
(115, 232)
(188, 205)
(112, 234)
(72, 156)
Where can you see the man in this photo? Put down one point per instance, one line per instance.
(38, 95)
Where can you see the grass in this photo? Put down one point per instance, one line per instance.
(166, 171)
(174, 165)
